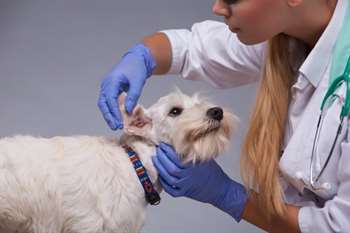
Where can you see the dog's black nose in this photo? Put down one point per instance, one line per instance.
(215, 113)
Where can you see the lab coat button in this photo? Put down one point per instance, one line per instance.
(299, 175)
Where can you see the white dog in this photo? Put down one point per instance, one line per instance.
(86, 184)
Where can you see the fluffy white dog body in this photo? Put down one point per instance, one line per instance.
(86, 184)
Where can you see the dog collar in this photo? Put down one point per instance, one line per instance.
(151, 194)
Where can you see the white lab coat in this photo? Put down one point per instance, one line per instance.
(210, 52)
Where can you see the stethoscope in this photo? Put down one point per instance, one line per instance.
(327, 100)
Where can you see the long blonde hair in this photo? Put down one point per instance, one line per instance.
(262, 146)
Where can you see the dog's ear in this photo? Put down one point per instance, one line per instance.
(136, 123)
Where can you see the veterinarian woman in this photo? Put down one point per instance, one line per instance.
(296, 168)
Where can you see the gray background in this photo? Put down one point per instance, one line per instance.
(53, 55)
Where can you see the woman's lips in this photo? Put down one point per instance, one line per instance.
(234, 29)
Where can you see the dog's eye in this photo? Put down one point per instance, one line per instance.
(175, 111)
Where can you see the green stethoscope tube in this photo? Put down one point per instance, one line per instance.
(345, 77)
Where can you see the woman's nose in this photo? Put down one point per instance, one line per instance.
(221, 9)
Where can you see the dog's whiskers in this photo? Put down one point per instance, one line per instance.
(203, 130)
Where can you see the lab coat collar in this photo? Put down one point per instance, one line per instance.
(319, 58)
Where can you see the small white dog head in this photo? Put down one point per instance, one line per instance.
(197, 129)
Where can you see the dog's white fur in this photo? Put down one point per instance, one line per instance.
(86, 184)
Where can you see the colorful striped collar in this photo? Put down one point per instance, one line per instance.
(151, 194)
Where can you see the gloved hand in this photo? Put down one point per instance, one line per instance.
(205, 182)
(129, 75)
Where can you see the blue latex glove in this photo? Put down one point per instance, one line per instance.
(129, 75)
(205, 182)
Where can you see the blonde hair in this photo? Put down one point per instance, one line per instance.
(262, 146)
